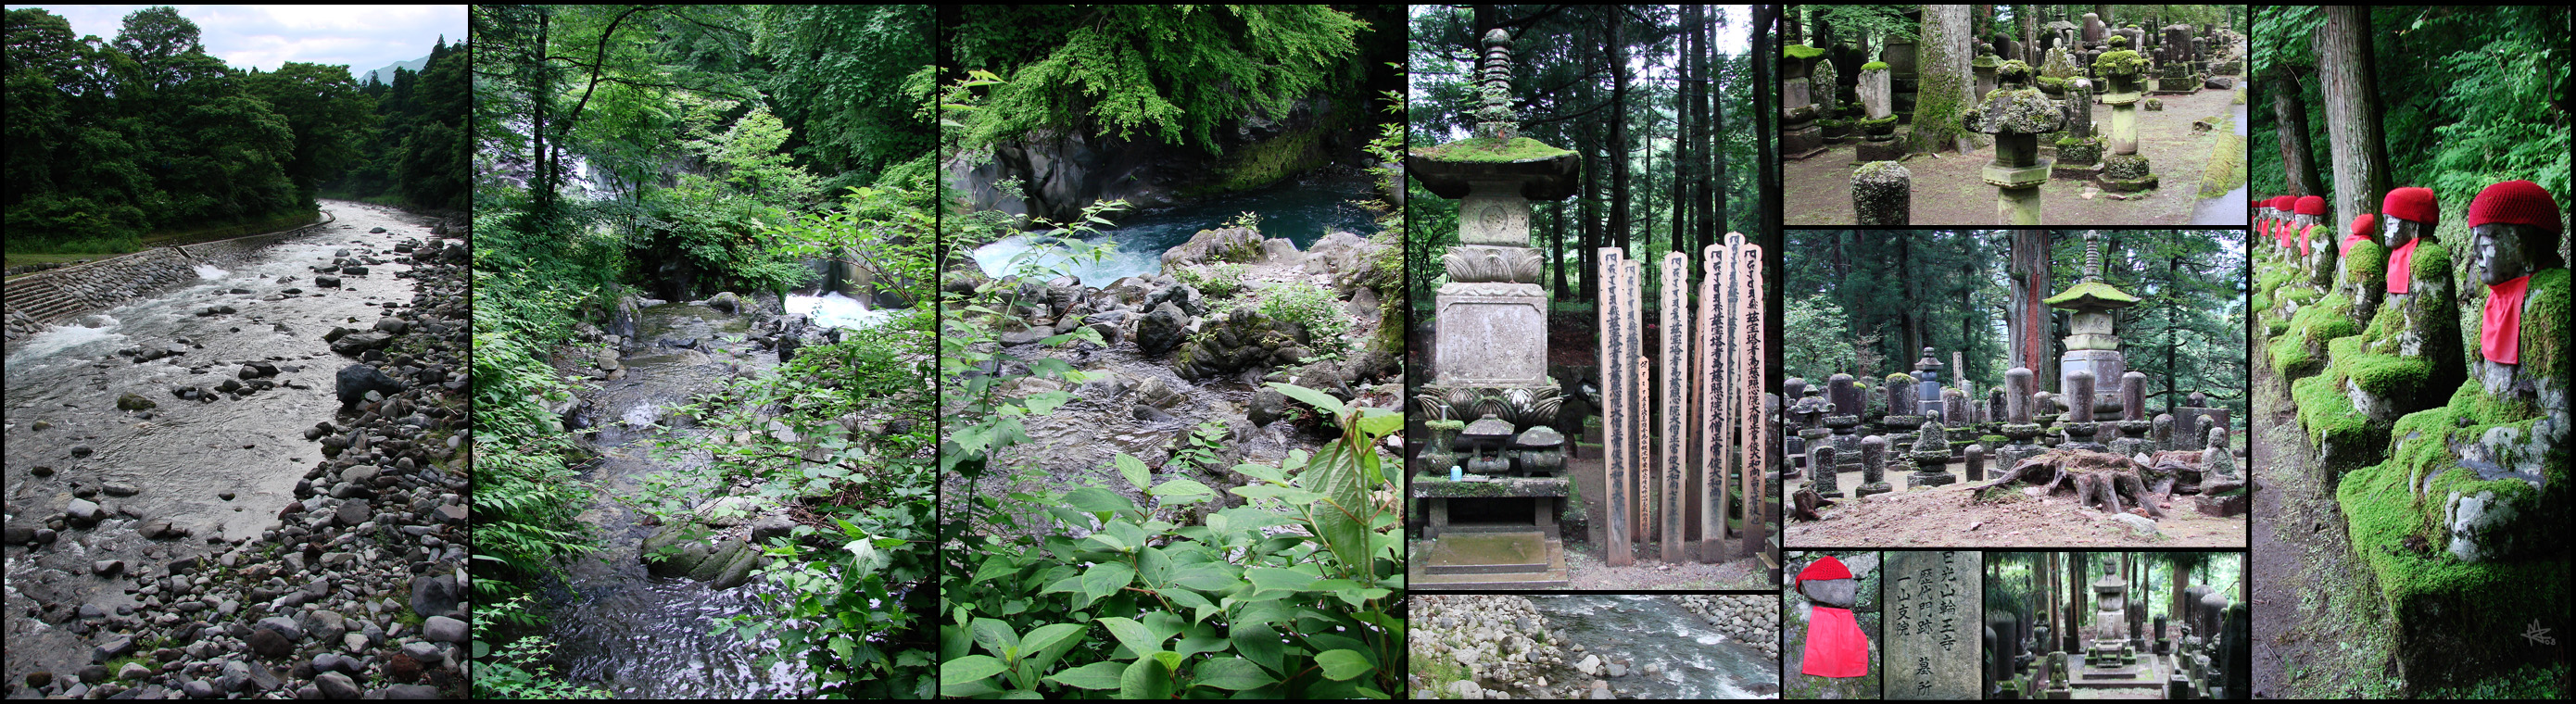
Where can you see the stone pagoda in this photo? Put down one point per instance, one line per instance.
(1490, 383)
(2091, 343)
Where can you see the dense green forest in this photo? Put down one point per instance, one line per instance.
(2451, 98)
(114, 141)
(1866, 303)
(636, 152)
(1275, 578)
(1663, 116)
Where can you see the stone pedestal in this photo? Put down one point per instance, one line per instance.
(1827, 483)
(1799, 136)
(1931, 458)
(1883, 194)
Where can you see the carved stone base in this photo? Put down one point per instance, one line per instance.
(1866, 490)
(1919, 480)
(1889, 150)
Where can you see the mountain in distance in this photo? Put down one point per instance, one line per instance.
(386, 75)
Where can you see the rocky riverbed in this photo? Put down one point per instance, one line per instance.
(1594, 647)
(170, 535)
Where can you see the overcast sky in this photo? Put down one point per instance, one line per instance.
(363, 37)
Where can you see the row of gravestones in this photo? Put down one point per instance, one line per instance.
(2208, 655)
(1932, 426)
(2428, 370)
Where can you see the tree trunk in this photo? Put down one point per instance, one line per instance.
(2029, 35)
(1765, 116)
(1947, 89)
(2290, 124)
(1619, 148)
(1556, 253)
(1712, 99)
(541, 188)
(2028, 325)
(2352, 110)
(1683, 166)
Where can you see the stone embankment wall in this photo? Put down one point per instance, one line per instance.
(47, 297)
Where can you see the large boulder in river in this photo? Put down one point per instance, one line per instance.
(357, 379)
(727, 302)
(1232, 244)
(1351, 260)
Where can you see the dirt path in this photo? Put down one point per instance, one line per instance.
(1949, 191)
(2321, 629)
(1944, 517)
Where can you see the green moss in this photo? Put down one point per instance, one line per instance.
(2445, 610)
(2367, 264)
(2096, 290)
(2119, 63)
(1801, 51)
(2544, 326)
(2272, 277)
(2297, 294)
(1445, 425)
(2226, 169)
(2291, 356)
(1265, 162)
(2345, 438)
(1485, 149)
(1877, 123)
(1985, 61)
(1874, 66)
(2387, 376)
(2262, 302)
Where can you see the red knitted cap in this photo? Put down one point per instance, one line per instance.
(2364, 224)
(2282, 202)
(2312, 205)
(2412, 203)
(1828, 568)
(2517, 202)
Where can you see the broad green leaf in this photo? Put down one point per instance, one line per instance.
(1045, 402)
(1153, 566)
(1343, 664)
(1098, 500)
(1098, 675)
(1231, 673)
(968, 669)
(1261, 471)
(1184, 491)
(1287, 495)
(1132, 634)
(1107, 578)
(1342, 518)
(1200, 605)
(1312, 397)
(1376, 425)
(996, 635)
(1049, 642)
(1134, 470)
(1206, 576)
(1148, 678)
(1260, 644)
(1268, 578)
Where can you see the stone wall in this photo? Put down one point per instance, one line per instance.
(47, 297)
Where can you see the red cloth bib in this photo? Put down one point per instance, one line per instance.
(2500, 337)
(1835, 645)
(2348, 242)
(2303, 239)
(2401, 264)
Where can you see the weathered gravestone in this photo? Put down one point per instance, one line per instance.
(1930, 601)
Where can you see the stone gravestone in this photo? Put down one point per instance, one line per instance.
(1931, 601)
(1875, 95)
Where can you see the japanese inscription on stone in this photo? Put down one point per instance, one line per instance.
(1934, 601)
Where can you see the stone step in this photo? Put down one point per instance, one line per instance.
(1551, 575)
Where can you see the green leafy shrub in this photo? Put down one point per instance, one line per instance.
(1141, 608)
(1218, 281)
(1311, 306)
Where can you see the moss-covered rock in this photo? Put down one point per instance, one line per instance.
(2344, 439)
(1874, 66)
(1801, 51)
(2011, 111)
(2413, 517)
(2122, 63)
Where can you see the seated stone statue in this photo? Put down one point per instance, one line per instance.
(2407, 359)
(2316, 261)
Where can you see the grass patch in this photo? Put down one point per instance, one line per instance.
(2226, 170)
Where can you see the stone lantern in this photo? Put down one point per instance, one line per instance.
(2124, 170)
(2016, 118)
